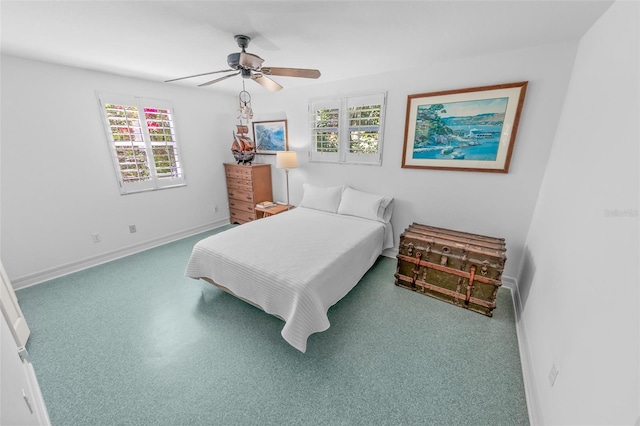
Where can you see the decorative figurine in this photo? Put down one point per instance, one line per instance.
(243, 147)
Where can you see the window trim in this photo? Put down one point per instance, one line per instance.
(154, 183)
(343, 104)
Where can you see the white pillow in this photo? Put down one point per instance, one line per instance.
(385, 210)
(319, 198)
(360, 204)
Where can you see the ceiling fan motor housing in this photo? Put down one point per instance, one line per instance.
(233, 60)
(244, 60)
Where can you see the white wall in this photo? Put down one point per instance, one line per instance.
(578, 283)
(576, 267)
(58, 181)
(82, 200)
(498, 205)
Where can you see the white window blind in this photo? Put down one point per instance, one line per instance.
(347, 130)
(143, 143)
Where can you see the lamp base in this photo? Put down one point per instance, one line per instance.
(286, 172)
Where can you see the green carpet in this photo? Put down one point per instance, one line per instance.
(135, 342)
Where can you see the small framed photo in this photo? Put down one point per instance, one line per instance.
(470, 129)
(270, 136)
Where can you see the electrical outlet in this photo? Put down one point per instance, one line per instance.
(553, 374)
(132, 228)
(215, 209)
(95, 237)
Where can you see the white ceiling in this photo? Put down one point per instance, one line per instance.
(160, 40)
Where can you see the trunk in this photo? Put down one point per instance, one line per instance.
(457, 267)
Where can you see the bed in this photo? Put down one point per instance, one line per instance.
(297, 264)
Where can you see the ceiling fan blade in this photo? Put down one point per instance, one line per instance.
(250, 60)
(217, 80)
(291, 72)
(197, 75)
(266, 82)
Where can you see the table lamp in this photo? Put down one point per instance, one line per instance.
(286, 160)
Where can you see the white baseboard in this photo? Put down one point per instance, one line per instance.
(533, 405)
(58, 271)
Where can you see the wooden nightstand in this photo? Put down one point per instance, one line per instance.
(270, 211)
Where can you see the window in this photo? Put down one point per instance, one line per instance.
(143, 143)
(347, 130)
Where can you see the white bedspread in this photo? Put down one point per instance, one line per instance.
(295, 265)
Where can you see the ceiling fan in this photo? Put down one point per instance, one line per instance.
(250, 66)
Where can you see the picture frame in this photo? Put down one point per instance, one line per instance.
(270, 136)
(470, 129)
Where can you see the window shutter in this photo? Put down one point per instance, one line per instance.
(347, 130)
(143, 142)
(364, 115)
(324, 124)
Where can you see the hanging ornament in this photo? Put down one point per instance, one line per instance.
(243, 148)
(245, 113)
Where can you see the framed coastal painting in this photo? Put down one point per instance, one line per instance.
(270, 136)
(469, 129)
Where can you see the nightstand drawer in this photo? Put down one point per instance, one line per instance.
(241, 216)
(240, 195)
(241, 206)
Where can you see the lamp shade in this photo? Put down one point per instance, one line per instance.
(286, 160)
